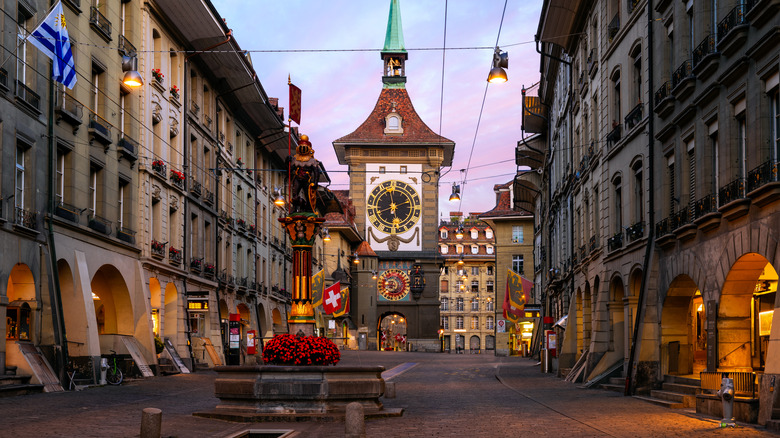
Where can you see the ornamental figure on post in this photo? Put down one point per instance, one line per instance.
(303, 226)
(304, 175)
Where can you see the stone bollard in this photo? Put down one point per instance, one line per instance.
(354, 422)
(389, 389)
(151, 423)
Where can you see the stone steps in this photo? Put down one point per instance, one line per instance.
(687, 400)
(613, 387)
(21, 389)
(659, 402)
(13, 380)
(681, 388)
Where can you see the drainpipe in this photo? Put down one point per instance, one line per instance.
(54, 292)
(630, 388)
(188, 153)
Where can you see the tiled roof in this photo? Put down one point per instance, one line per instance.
(345, 219)
(503, 207)
(373, 128)
(364, 250)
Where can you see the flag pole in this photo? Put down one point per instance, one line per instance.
(289, 144)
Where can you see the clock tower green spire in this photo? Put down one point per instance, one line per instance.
(394, 53)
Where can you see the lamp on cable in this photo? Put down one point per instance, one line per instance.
(497, 74)
(325, 235)
(460, 260)
(278, 198)
(373, 275)
(459, 232)
(130, 66)
(355, 258)
(455, 196)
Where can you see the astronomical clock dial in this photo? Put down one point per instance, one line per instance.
(394, 285)
(393, 207)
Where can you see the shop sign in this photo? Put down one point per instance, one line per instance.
(198, 305)
(501, 326)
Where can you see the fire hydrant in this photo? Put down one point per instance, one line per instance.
(726, 393)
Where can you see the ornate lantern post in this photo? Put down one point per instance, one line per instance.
(303, 223)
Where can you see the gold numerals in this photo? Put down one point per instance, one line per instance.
(393, 207)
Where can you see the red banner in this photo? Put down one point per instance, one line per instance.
(295, 104)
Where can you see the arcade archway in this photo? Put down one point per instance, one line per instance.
(19, 315)
(683, 329)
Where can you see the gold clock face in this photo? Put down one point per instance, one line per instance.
(393, 207)
(393, 284)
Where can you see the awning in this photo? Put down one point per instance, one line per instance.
(529, 152)
(526, 189)
(561, 323)
(558, 20)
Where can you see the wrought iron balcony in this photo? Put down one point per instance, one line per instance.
(704, 49)
(174, 255)
(194, 108)
(195, 188)
(100, 23)
(614, 135)
(126, 235)
(664, 92)
(128, 148)
(663, 227)
(683, 72)
(126, 47)
(733, 19)
(614, 26)
(732, 191)
(634, 116)
(159, 168)
(67, 211)
(3, 78)
(593, 244)
(209, 198)
(764, 174)
(583, 252)
(682, 217)
(158, 248)
(26, 218)
(99, 130)
(635, 232)
(242, 282)
(631, 4)
(615, 242)
(68, 109)
(177, 179)
(209, 270)
(705, 206)
(28, 96)
(592, 62)
(100, 224)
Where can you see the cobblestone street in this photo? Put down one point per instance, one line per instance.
(443, 395)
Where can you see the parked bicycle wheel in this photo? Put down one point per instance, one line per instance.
(114, 376)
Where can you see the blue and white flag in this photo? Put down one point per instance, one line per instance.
(51, 38)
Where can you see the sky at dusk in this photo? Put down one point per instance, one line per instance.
(331, 49)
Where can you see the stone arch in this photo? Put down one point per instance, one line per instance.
(392, 323)
(682, 328)
(616, 311)
(171, 311)
(113, 305)
(79, 319)
(587, 318)
(576, 324)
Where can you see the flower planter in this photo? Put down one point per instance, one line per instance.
(291, 390)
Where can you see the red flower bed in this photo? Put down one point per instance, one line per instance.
(289, 349)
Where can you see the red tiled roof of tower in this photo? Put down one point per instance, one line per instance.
(373, 128)
(364, 250)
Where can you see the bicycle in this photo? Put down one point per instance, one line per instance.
(113, 373)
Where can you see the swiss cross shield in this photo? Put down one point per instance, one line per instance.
(331, 298)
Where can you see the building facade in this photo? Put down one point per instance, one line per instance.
(467, 285)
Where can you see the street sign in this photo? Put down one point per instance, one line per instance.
(501, 326)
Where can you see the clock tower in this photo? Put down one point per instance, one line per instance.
(394, 160)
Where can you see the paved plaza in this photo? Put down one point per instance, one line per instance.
(442, 395)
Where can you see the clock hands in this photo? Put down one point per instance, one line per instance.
(393, 206)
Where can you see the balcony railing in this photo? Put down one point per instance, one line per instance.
(67, 211)
(732, 191)
(593, 243)
(126, 235)
(209, 270)
(209, 198)
(100, 22)
(734, 18)
(704, 49)
(592, 63)
(128, 148)
(195, 187)
(614, 135)
(99, 129)
(174, 255)
(634, 117)
(177, 179)
(615, 242)
(705, 206)
(631, 4)
(26, 218)
(682, 217)
(68, 108)
(126, 47)
(635, 232)
(159, 168)
(242, 282)
(28, 96)
(100, 224)
(3, 78)
(158, 248)
(683, 72)
(614, 26)
(663, 92)
(663, 227)
(764, 174)
(583, 252)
